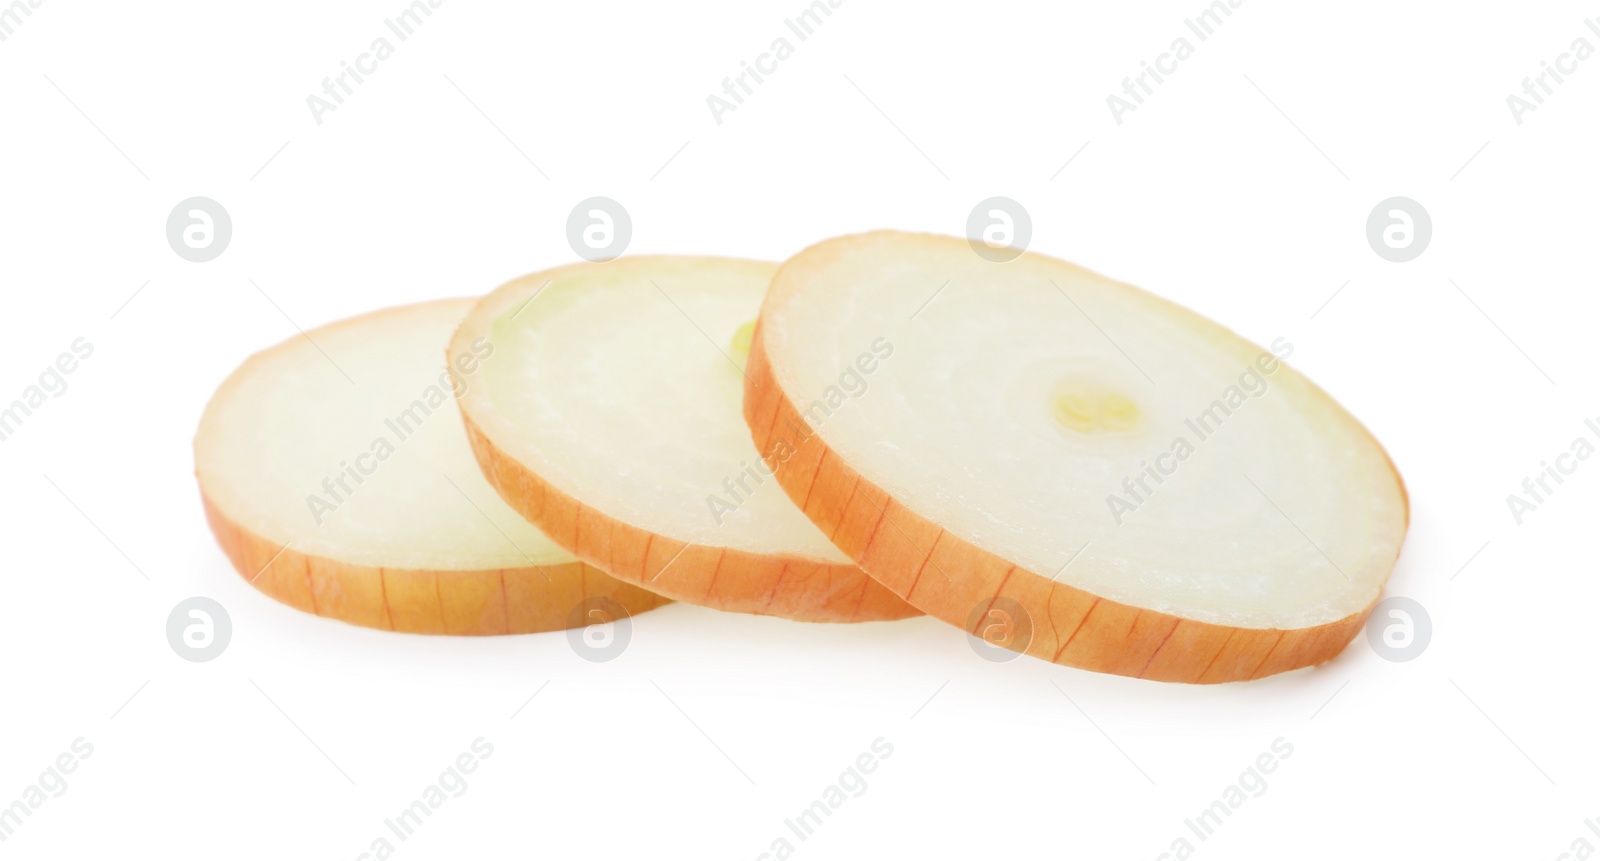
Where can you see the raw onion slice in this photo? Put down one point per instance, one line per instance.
(610, 418)
(1067, 465)
(338, 480)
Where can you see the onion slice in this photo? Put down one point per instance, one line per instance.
(610, 418)
(1069, 466)
(335, 485)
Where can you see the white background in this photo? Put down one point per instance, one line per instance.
(712, 728)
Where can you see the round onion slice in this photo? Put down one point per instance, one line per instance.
(337, 477)
(610, 418)
(1067, 465)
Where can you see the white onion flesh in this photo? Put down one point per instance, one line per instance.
(1003, 416)
(298, 419)
(621, 385)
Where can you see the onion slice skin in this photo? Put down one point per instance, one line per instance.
(526, 600)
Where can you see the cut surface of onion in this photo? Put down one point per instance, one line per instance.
(1070, 466)
(337, 477)
(610, 417)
